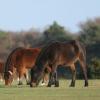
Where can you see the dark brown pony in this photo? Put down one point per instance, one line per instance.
(20, 60)
(59, 53)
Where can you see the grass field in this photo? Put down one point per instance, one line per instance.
(64, 92)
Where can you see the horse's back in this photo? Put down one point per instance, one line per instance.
(63, 47)
(61, 52)
(27, 57)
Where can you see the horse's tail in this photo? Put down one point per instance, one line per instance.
(81, 50)
(76, 46)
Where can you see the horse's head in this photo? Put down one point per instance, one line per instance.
(36, 76)
(8, 76)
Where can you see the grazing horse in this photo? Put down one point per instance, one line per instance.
(56, 54)
(20, 60)
(1, 70)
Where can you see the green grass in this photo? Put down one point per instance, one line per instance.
(64, 92)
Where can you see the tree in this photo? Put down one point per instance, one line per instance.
(90, 31)
(95, 67)
(56, 32)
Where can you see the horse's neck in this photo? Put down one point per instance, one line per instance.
(11, 64)
(10, 68)
(40, 65)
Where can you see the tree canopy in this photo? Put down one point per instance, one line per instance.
(90, 31)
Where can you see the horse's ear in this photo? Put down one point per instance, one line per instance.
(10, 72)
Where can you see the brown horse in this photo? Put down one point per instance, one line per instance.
(20, 60)
(59, 53)
(1, 70)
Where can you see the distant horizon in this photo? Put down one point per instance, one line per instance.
(22, 15)
(45, 27)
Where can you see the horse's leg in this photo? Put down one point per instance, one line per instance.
(53, 79)
(20, 78)
(85, 73)
(50, 80)
(27, 78)
(84, 68)
(43, 82)
(1, 77)
(85, 76)
(20, 81)
(56, 79)
(45, 79)
(46, 75)
(73, 75)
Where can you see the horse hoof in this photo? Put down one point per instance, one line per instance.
(72, 85)
(49, 85)
(20, 83)
(28, 83)
(43, 84)
(57, 84)
(86, 85)
(31, 85)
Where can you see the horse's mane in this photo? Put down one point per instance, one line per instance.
(8, 61)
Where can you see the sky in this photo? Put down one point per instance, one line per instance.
(19, 15)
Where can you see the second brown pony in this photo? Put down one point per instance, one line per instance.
(20, 60)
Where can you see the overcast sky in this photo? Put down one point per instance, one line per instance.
(24, 14)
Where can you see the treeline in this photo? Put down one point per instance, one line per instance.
(89, 34)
